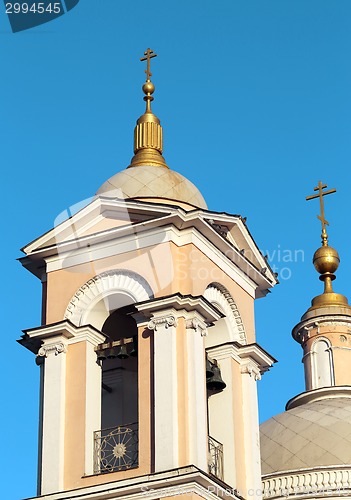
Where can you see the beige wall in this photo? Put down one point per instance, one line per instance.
(167, 268)
(75, 417)
(75, 414)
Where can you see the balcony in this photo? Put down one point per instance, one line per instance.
(116, 448)
(215, 458)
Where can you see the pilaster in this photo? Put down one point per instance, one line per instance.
(179, 325)
(53, 345)
(53, 417)
(165, 390)
(233, 413)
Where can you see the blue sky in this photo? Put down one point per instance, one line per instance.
(255, 101)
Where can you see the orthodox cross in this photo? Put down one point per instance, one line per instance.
(321, 217)
(149, 54)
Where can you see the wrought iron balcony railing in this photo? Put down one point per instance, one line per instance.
(116, 448)
(215, 457)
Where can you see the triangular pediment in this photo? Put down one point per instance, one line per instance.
(98, 216)
(105, 221)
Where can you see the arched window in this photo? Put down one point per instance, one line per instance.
(323, 370)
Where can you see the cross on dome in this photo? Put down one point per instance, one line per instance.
(149, 54)
(321, 217)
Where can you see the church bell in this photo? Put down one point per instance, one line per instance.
(122, 353)
(215, 382)
(134, 351)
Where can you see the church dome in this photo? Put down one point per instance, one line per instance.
(149, 182)
(311, 435)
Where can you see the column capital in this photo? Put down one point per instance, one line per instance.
(166, 321)
(52, 348)
(251, 369)
(63, 332)
(196, 324)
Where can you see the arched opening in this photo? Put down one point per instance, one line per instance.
(99, 302)
(230, 327)
(117, 441)
(322, 364)
(119, 395)
(102, 307)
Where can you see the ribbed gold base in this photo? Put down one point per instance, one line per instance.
(148, 156)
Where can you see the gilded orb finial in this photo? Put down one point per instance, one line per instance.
(148, 135)
(148, 87)
(326, 259)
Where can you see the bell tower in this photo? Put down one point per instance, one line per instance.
(147, 351)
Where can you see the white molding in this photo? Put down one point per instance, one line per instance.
(243, 354)
(196, 324)
(216, 293)
(155, 237)
(166, 321)
(252, 457)
(302, 329)
(180, 306)
(165, 391)
(52, 348)
(151, 487)
(338, 391)
(251, 369)
(102, 286)
(320, 482)
(53, 422)
(197, 415)
(65, 333)
(147, 215)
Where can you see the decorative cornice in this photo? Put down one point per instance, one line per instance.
(243, 354)
(54, 348)
(338, 391)
(165, 321)
(320, 482)
(301, 332)
(181, 481)
(180, 305)
(63, 331)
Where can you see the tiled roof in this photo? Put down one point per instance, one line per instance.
(152, 182)
(314, 434)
